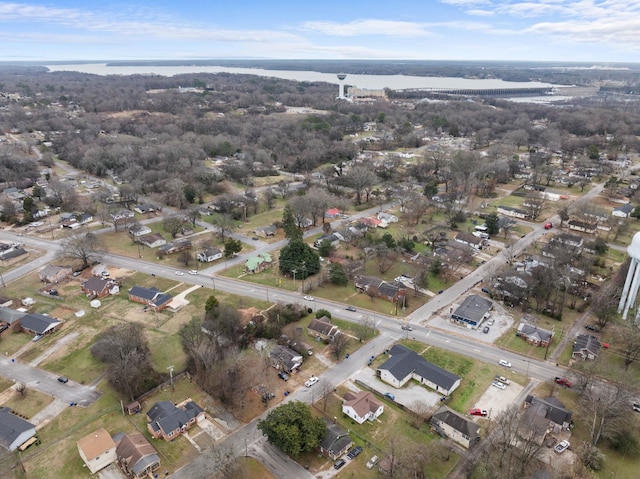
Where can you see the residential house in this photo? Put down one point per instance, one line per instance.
(550, 408)
(582, 226)
(332, 213)
(623, 211)
(153, 240)
(144, 209)
(76, 220)
(14, 431)
(5, 303)
(331, 238)
(322, 328)
(472, 311)
(393, 292)
(137, 458)
(456, 427)
(39, 324)
(266, 231)
(167, 420)
(534, 335)
(404, 364)
(139, 230)
(11, 317)
(121, 215)
(358, 229)
(568, 239)
(304, 223)
(335, 442)
(258, 263)
(13, 255)
(151, 297)
(209, 254)
(362, 406)
(513, 212)
(54, 274)
(469, 239)
(285, 358)
(99, 287)
(97, 450)
(387, 217)
(586, 346)
(175, 247)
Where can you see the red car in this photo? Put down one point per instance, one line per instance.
(563, 382)
(478, 412)
(548, 225)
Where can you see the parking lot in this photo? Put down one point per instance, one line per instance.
(496, 400)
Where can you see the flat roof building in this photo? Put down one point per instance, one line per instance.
(472, 311)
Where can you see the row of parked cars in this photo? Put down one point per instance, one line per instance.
(352, 454)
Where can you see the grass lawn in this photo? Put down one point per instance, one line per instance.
(13, 341)
(30, 404)
(58, 457)
(249, 467)
(375, 437)
(510, 341)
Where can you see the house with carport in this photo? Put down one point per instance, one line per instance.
(97, 450)
(361, 406)
(14, 431)
(39, 324)
(404, 364)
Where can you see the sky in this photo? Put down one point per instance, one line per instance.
(597, 31)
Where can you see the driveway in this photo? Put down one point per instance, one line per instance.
(111, 472)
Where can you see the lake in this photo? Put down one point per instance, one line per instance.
(370, 82)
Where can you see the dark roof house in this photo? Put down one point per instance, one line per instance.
(534, 335)
(405, 364)
(152, 297)
(586, 346)
(168, 421)
(449, 423)
(136, 456)
(37, 323)
(335, 442)
(14, 431)
(550, 408)
(472, 311)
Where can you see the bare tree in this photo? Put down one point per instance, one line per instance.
(85, 247)
(420, 412)
(361, 179)
(325, 390)
(21, 389)
(628, 338)
(535, 204)
(173, 224)
(605, 303)
(366, 327)
(339, 345)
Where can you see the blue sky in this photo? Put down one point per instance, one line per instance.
(535, 30)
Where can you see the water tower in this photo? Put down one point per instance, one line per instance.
(632, 283)
(341, 77)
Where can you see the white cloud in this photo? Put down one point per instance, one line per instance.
(369, 27)
(476, 12)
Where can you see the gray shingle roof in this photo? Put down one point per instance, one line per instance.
(457, 422)
(168, 417)
(11, 427)
(473, 308)
(39, 323)
(403, 361)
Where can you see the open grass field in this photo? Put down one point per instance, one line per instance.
(29, 404)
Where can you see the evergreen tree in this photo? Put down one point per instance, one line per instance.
(289, 225)
(298, 256)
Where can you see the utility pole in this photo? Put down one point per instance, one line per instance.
(213, 278)
(170, 368)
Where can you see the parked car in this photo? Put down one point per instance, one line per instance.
(485, 330)
(592, 327)
(339, 463)
(353, 453)
(309, 298)
(284, 376)
(351, 308)
(503, 380)
(562, 446)
(498, 384)
(63, 379)
(478, 412)
(563, 381)
(636, 406)
(193, 271)
(311, 381)
(372, 462)
(390, 396)
(505, 363)
(548, 225)
(37, 337)
(491, 322)
(486, 290)
(179, 273)
(406, 327)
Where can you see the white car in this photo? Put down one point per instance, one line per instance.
(562, 446)
(311, 381)
(193, 271)
(505, 363)
(309, 298)
(498, 384)
(179, 273)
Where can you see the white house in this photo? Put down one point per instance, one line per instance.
(362, 406)
(139, 230)
(209, 254)
(513, 212)
(623, 211)
(97, 450)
